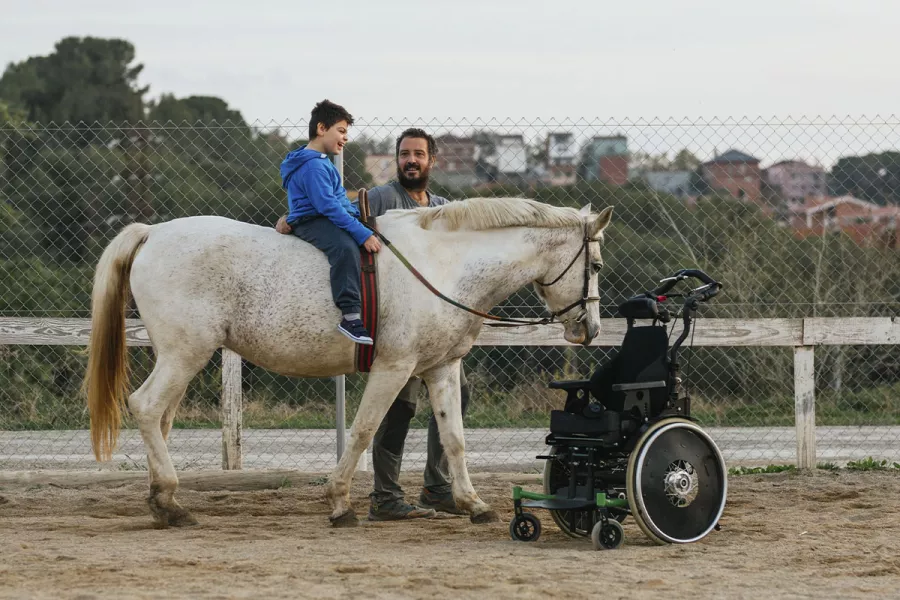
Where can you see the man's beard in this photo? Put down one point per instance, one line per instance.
(417, 184)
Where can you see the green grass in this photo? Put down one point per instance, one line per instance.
(870, 464)
(758, 470)
(866, 464)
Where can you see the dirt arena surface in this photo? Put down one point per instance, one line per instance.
(783, 536)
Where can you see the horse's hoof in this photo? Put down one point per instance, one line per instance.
(487, 516)
(166, 519)
(347, 519)
(182, 519)
(160, 515)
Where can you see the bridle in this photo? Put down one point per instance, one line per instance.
(585, 291)
(505, 321)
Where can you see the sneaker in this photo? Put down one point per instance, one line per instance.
(442, 502)
(397, 510)
(356, 331)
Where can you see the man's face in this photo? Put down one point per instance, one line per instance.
(413, 163)
(334, 137)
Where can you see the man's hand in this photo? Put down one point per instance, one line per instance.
(373, 244)
(282, 226)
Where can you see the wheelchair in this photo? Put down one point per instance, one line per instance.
(625, 443)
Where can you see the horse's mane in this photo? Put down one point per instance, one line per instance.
(492, 213)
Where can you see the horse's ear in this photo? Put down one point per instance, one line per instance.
(600, 222)
(585, 210)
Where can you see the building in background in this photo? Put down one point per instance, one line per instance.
(867, 223)
(794, 181)
(676, 183)
(605, 158)
(510, 158)
(734, 173)
(561, 157)
(455, 162)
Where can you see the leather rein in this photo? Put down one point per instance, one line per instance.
(499, 321)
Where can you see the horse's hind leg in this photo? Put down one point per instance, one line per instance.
(168, 418)
(153, 406)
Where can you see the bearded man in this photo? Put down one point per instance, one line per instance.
(415, 155)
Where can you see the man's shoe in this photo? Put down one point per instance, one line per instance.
(442, 502)
(356, 331)
(397, 510)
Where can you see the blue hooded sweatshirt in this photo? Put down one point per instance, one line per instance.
(314, 188)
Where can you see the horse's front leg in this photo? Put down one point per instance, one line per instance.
(381, 389)
(443, 389)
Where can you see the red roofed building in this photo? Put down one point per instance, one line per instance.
(866, 222)
(736, 173)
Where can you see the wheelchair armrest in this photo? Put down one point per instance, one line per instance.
(643, 385)
(575, 384)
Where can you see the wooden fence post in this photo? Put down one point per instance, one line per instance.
(805, 406)
(232, 410)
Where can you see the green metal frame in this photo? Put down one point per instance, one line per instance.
(601, 500)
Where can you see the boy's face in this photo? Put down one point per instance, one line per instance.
(334, 137)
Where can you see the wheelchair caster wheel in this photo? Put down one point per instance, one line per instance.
(525, 528)
(607, 536)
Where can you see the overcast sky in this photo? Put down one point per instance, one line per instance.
(272, 60)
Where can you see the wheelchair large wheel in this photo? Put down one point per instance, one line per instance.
(676, 482)
(556, 481)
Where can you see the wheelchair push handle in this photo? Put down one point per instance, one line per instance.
(710, 286)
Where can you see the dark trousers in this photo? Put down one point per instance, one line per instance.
(387, 446)
(343, 256)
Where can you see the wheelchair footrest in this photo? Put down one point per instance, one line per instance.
(561, 504)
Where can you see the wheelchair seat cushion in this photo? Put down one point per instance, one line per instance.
(603, 424)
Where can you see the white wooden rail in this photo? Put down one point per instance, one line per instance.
(800, 334)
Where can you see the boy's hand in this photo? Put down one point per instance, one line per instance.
(373, 244)
(282, 226)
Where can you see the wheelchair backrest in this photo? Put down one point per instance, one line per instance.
(642, 358)
(644, 355)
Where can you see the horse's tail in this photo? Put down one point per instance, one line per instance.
(106, 379)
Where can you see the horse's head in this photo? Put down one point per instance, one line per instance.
(569, 288)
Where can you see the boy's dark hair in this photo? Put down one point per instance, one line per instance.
(414, 132)
(327, 113)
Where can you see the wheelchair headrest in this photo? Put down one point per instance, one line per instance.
(640, 307)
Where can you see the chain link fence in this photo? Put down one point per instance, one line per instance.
(799, 217)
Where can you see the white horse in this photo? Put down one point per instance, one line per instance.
(203, 283)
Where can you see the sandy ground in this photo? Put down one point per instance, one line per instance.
(782, 536)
